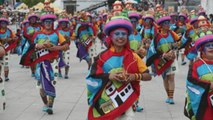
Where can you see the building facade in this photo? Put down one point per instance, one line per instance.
(70, 5)
(207, 5)
(77, 5)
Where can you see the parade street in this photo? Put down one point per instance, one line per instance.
(24, 102)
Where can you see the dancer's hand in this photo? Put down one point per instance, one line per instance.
(116, 76)
(170, 55)
(130, 77)
(39, 46)
(141, 52)
(211, 87)
(67, 37)
(48, 44)
(55, 48)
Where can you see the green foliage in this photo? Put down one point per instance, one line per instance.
(31, 3)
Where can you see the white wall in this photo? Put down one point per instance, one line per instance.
(207, 5)
(82, 5)
(59, 4)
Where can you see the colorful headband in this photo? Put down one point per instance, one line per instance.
(32, 15)
(149, 17)
(118, 22)
(5, 20)
(193, 20)
(133, 15)
(183, 15)
(48, 16)
(162, 19)
(203, 40)
(63, 20)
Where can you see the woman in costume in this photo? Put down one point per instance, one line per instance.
(102, 21)
(135, 41)
(189, 44)
(148, 30)
(28, 34)
(65, 30)
(3, 22)
(204, 25)
(6, 37)
(181, 29)
(85, 40)
(200, 27)
(199, 84)
(47, 41)
(2, 89)
(161, 55)
(23, 25)
(113, 80)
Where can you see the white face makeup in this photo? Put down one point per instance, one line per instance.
(33, 20)
(119, 38)
(48, 24)
(208, 50)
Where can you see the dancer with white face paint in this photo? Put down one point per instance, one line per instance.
(113, 80)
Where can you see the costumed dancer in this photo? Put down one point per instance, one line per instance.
(182, 27)
(65, 30)
(6, 38)
(29, 31)
(148, 30)
(161, 56)
(101, 21)
(189, 44)
(23, 25)
(74, 21)
(158, 11)
(3, 21)
(129, 5)
(116, 72)
(45, 52)
(135, 41)
(188, 35)
(174, 20)
(117, 8)
(199, 84)
(204, 26)
(85, 35)
(2, 88)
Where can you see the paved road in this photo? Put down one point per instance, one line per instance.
(24, 103)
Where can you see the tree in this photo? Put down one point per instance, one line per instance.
(31, 3)
(1, 2)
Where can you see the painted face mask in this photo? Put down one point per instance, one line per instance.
(208, 46)
(48, 22)
(119, 34)
(148, 20)
(181, 18)
(166, 23)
